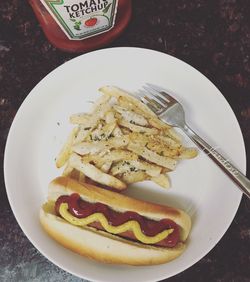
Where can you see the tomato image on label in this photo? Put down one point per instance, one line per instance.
(90, 22)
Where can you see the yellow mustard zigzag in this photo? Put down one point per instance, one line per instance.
(129, 225)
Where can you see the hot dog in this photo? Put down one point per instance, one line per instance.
(111, 227)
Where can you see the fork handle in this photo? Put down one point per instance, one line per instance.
(239, 178)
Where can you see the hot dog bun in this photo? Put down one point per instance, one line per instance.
(103, 246)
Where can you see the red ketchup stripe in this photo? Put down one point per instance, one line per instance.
(81, 209)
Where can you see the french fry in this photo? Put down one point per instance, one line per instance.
(151, 169)
(96, 174)
(85, 148)
(121, 167)
(83, 133)
(188, 153)
(169, 142)
(162, 150)
(131, 116)
(120, 154)
(97, 160)
(161, 180)
(66, 150)
(115, 155)
(106, 166)
(139, 138)
(110, 117)
(136, 165)
(104, 132)
(135, 176)
(101, 105)
(117, 132)
(153, 156)
(67, 170)
(137, 128)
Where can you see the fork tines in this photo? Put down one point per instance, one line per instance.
(155, 98)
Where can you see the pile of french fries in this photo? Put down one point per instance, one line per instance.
(120, 142)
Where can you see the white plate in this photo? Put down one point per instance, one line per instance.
(198, 186)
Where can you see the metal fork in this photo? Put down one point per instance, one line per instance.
(171, 111)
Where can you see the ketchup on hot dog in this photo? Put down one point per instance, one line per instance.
(81, 209)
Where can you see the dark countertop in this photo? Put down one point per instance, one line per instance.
(213, 36)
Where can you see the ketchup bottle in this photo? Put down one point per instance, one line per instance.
(82, 25)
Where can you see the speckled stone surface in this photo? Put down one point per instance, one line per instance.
(213, 36)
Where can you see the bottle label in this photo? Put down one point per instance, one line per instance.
(81, 19)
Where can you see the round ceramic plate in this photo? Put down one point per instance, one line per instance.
(198, 186)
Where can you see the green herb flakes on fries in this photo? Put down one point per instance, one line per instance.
(120, 142)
